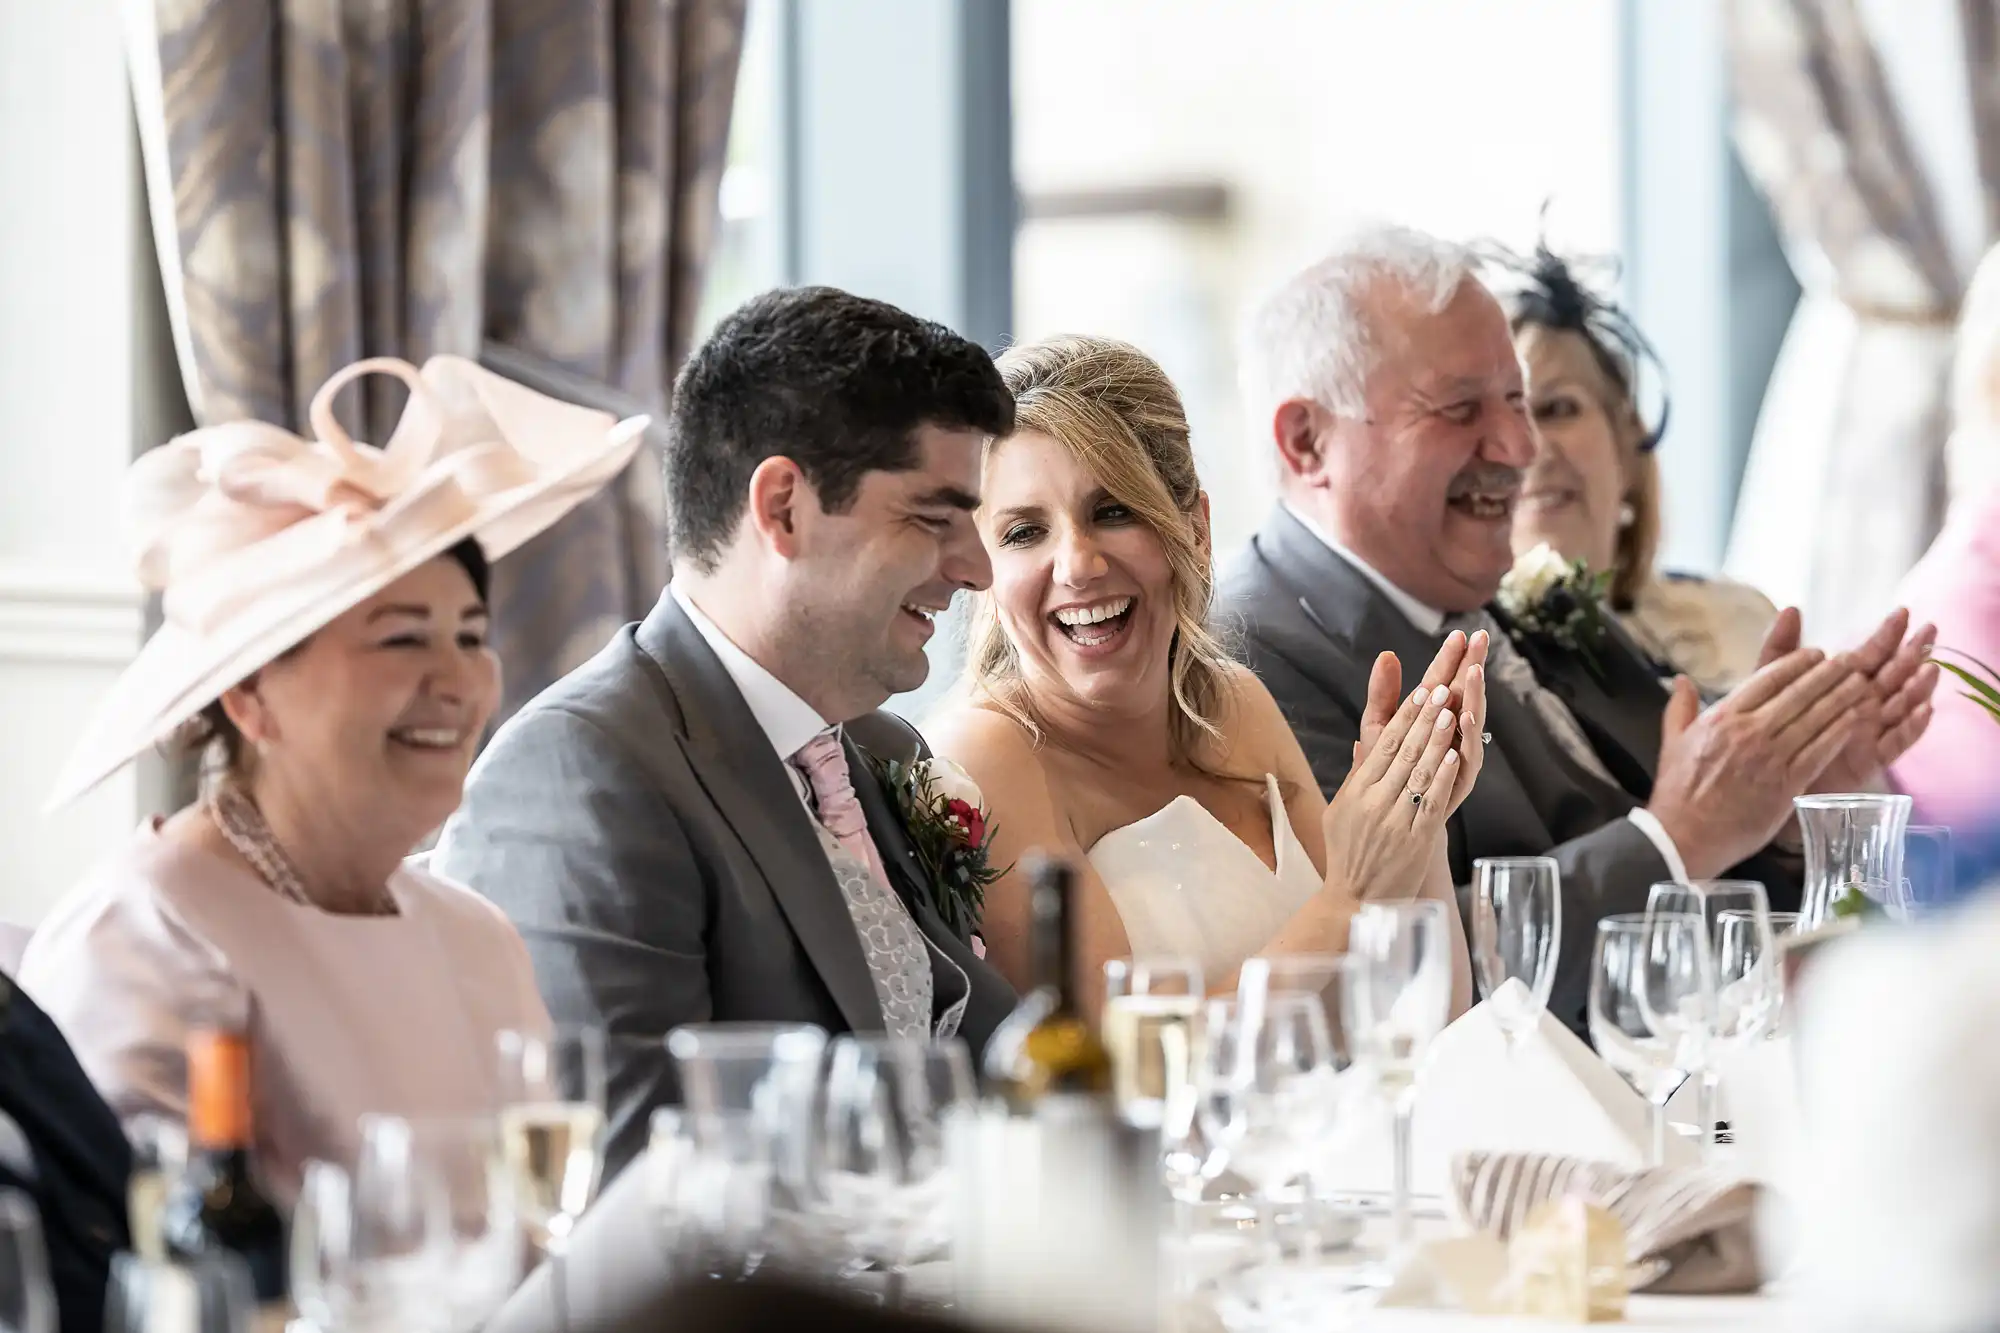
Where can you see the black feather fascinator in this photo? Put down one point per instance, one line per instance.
(1543, 289)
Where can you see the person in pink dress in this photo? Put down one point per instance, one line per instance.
(324, 646)
(1953, 773)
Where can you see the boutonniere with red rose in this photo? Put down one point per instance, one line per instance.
(950, 830)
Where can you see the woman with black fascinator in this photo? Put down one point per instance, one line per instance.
(1593, 491)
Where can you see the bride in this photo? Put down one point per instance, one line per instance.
(1102, 718)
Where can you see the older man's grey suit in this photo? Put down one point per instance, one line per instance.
(1311, 625)
(636, 826)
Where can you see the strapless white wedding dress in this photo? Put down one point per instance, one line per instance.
(1185, 886)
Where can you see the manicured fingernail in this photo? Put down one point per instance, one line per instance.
(1479, 673)
(1450, 758)
(1440, 694)
(1444, 720)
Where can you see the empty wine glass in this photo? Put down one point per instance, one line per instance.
(1397, 999)
(1205, 1124)
(27, 1299)
(463, 1159)
(1516, 938)
(1650, 992)
(880, 1173)
(1150, 1008)
(552, 1123)
(321, 1247)
(748, 1091)
(399, 1228)
(1709, 899)
(1748, 989)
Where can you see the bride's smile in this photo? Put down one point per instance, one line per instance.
(1081, 582)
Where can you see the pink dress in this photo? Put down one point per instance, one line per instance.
(1953, 772)
(348, 1015)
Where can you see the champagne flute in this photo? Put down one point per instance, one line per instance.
(1398, 998)
(552, 1110)
(1516, 939)
(1709, 899)
(1150, 1009)
(1927, 856)
(321, 1258)
(1641, 969)
(27, 1298)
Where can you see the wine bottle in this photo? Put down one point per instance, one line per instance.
(217, 1205)
(1047, 1050)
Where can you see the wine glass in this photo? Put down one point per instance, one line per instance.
(1150, 1009)
(552, 1112)
(1397, 999)
(463, 1160)
(1516, 938)
(748, 1091)
(1709, 899)
(321, 1256)
(1205, 1125)
(399, 1227)
(880, 1171)
(27, 1299)
(1645, 971)
(1748, 988)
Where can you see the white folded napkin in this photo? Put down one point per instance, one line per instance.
(1551, 1094)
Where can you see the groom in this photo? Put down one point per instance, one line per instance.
(689, 828)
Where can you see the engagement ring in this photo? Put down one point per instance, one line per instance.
(1416, 798)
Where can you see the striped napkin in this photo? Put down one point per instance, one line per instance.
(1688, 1231)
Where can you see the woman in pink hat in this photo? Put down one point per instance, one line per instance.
(324, 646)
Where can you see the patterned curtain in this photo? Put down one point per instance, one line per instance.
(1845, 485)
(334, 179)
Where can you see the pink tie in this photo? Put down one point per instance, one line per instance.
(824, 762)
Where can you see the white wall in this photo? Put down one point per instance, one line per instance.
(72, 341)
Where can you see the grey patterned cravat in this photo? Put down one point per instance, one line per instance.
(899, 960)
(1516, 675)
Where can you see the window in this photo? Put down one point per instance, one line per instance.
(1176, 157)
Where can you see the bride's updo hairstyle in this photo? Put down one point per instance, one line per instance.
(1111, 406)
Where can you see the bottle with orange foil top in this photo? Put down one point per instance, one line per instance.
(218, 1205)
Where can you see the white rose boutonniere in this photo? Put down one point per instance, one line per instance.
(1561, 601)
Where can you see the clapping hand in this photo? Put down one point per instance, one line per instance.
(1727, 775)
(1417, 758)
(1901, 679)
(1460, 663)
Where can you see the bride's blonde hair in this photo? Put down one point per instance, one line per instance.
(1112, 406)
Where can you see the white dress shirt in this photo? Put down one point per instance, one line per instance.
(1431, 621)
(788, 721)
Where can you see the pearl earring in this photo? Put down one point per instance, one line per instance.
(1627, 516)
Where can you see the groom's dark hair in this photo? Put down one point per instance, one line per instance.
(837, 383)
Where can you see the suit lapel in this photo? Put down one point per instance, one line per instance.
(730, 757)
(1619, 705)
(885, 825)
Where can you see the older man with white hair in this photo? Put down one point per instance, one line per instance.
(1386, 381)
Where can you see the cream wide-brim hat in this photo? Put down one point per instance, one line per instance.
(257, 538)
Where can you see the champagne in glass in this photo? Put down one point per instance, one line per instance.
(552, 1126)
(1150, 1011)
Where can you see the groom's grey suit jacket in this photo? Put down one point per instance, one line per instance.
(636, 826)
(1310, 625)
